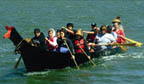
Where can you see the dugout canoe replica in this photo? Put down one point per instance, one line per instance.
(37, 59)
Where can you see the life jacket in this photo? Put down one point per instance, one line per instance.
(51, 46)
(77, 48)
(119, 33)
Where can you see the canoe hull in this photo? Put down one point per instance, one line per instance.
(36, 59)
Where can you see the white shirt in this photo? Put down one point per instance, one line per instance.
(105, 39)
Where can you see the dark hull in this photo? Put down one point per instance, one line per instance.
(36, 59)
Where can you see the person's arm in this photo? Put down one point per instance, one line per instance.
(89, 32)
(42, 38)
(86, 48)
(71, 46)
(112, 39)
(54, 43)
(70, 31)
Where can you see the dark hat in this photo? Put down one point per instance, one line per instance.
(93, 24)
(36, 30)
(69, 25)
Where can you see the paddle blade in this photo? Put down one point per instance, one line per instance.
(138, 44)
(18, 62)
(123, 48)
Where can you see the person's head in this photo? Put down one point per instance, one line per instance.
(62, 34)
(37, 32)
(109, 29)
(79, 34)
(116, 25)
(70, 26)
(93, 25)
(58, 34)
(51, 32)
(116, 21)
(103, 29)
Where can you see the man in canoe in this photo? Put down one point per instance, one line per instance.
(64, 43)
(109, 30)
(91, 34)
(70, 32)
(39, 39)
(103, 39)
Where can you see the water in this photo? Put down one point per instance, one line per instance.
(25, 15)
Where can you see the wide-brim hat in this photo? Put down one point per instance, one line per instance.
(79, 32)
(116, 20)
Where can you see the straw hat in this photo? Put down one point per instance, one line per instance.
(116, 20)
(79, 32)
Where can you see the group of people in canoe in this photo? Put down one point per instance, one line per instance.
(67, 39)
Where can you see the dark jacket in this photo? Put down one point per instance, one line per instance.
(70, 36)
(61, 43)
(91, 37)
(39, 41)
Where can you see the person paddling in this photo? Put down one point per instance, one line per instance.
(80, 43)
(39, 39)
(103, 39)
(92, 34)
(70, 32)
(119, 30)
(62, 47)
(51, 40)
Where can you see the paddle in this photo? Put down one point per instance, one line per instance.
(138, 44)
(73, 57)
(17, 47)
(122, 46)
(119, 44)
(125, 44)
(87, 56)
(17, 63)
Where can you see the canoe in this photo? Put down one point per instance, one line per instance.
(37, 59)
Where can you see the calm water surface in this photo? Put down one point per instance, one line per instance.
(25, 15)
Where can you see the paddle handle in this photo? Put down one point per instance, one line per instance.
(72, 55)
(138, 44)
(87, 56)
(16, 65)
